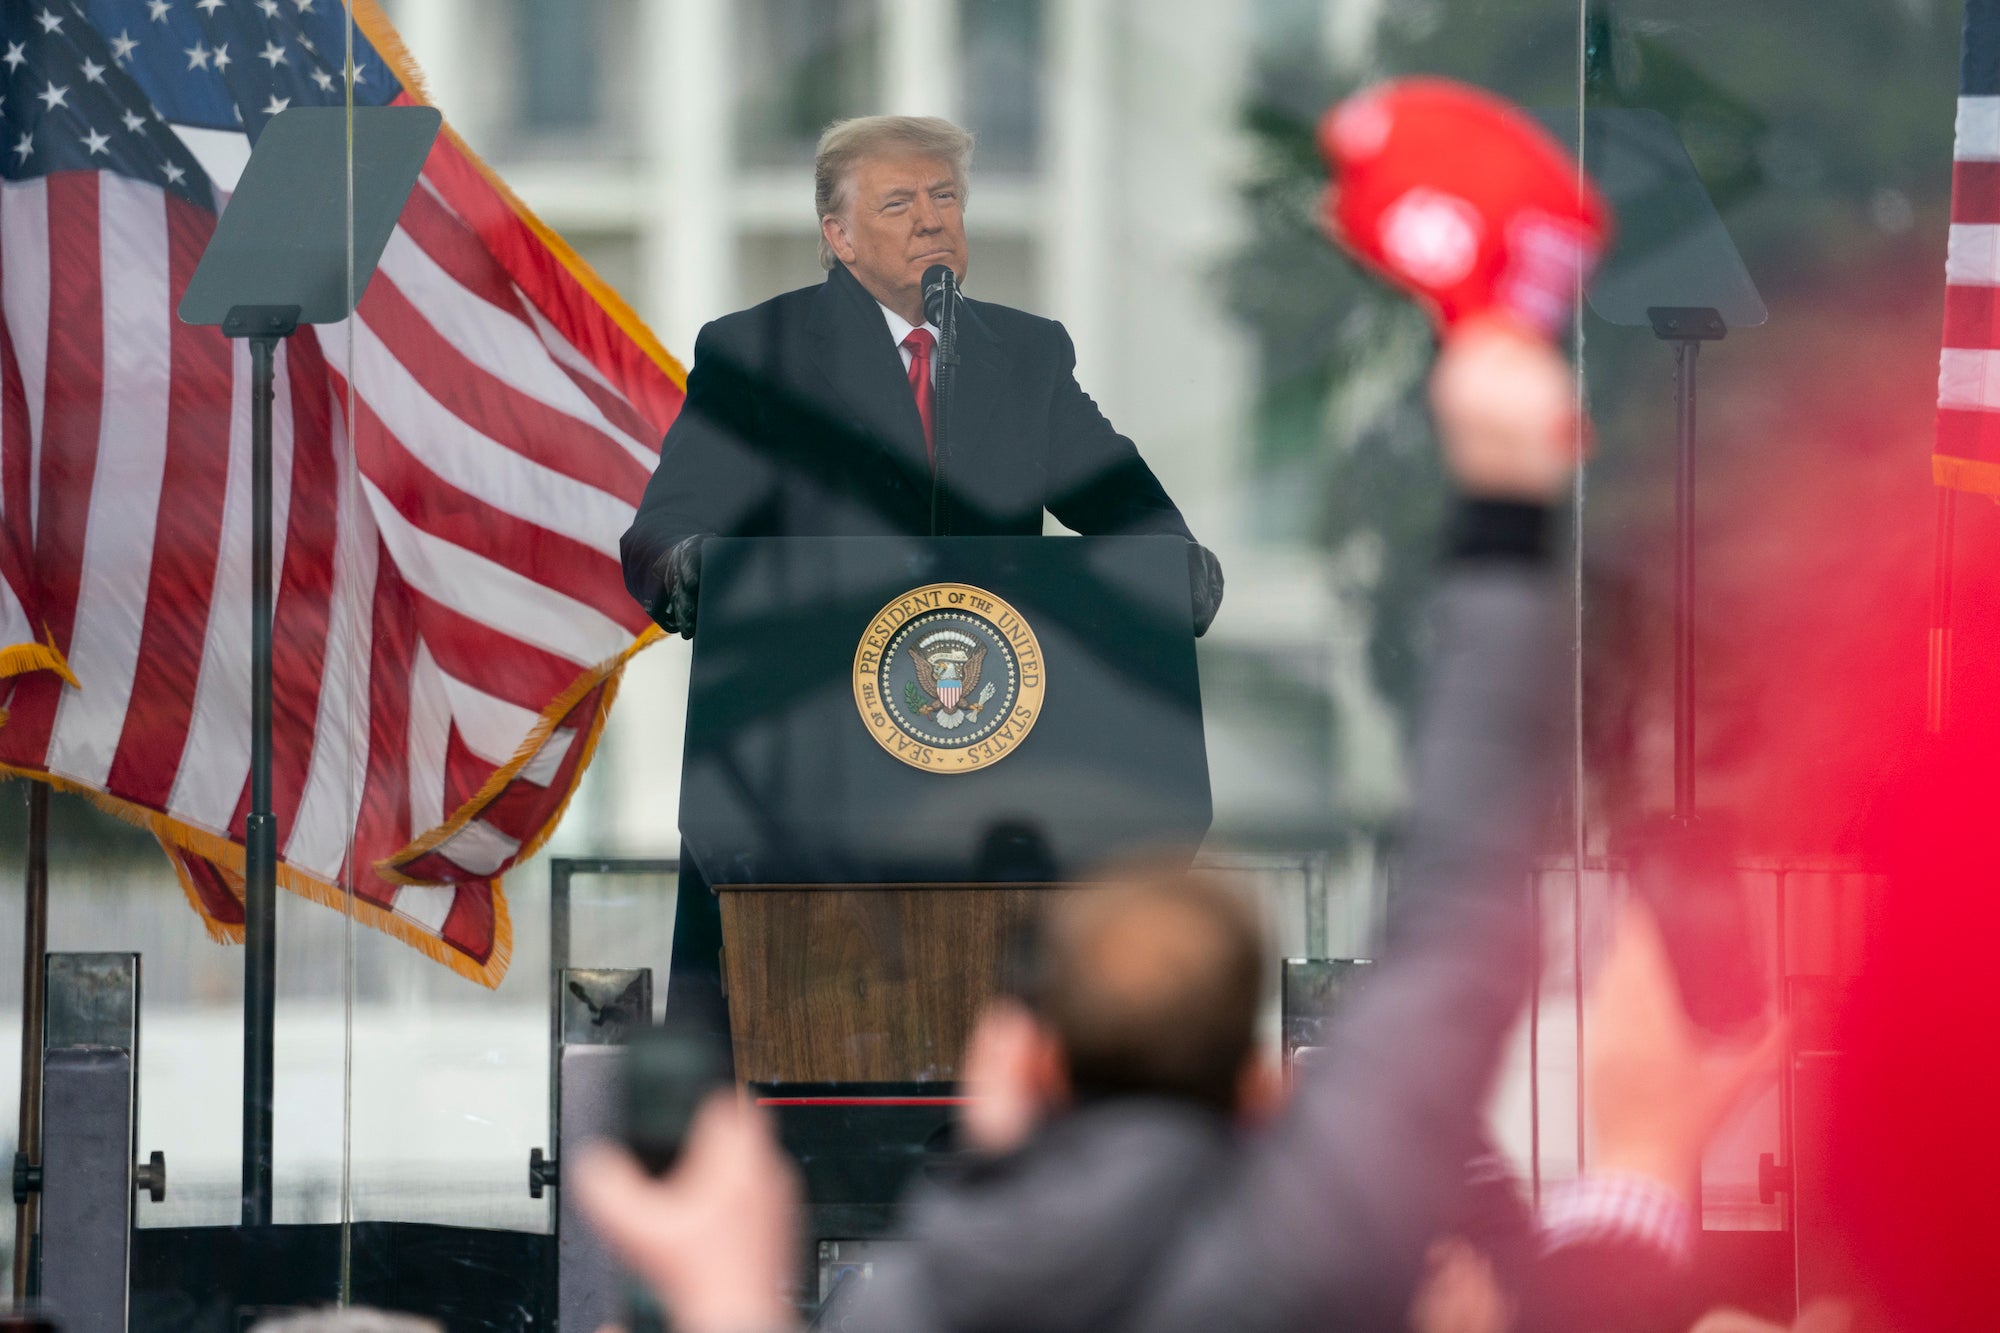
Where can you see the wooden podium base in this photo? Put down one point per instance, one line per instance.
(864, 983)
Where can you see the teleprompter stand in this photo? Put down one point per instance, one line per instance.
(1673, 270)
(297, 244)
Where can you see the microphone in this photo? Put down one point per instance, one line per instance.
(941, 309)
(940, 293)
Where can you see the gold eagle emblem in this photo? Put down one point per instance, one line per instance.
(947, 665)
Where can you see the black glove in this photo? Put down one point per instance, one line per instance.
(1204, 586)
(679, 572)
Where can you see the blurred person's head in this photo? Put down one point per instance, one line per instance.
(890, 193)
(1149, 986)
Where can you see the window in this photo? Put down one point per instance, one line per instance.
(802, 63)
(1003, 44)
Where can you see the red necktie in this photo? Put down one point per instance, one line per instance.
(920, 342)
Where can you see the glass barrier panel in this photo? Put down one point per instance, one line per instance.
(1147, 176)
(463, 814)
(1827, 163)
(1144, 175)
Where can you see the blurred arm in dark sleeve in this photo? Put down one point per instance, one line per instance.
(1341, 1201)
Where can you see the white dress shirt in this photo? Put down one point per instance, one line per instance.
(899, 329)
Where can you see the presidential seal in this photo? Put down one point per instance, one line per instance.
(948, 678)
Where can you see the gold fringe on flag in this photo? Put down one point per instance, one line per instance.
(607, 675)
(228, 855)
(21, 658)
(1966, 474)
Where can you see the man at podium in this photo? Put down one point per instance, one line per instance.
(814, 415)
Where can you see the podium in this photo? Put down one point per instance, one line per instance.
(895, 745)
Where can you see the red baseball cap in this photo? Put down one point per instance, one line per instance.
(1458, 198)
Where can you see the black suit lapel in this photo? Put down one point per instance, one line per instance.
(853, 350)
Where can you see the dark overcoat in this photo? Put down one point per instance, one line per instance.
(799, 422)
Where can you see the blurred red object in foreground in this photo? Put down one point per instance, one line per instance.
(1457, 197)
(1917, 1097)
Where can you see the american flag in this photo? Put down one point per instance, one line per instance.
(450, 616)
(1967, 456)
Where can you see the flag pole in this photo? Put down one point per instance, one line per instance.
(34, 943)
(1938, 684)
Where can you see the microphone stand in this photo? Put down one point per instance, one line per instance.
(946, 377)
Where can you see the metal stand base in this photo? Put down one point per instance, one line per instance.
(90, 1115)
(598, 1009)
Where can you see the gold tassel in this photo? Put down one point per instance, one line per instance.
(22, 658)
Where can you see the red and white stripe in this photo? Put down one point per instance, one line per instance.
(1968, 424)
(447, 566)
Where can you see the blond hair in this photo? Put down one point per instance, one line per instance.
(846, 143)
